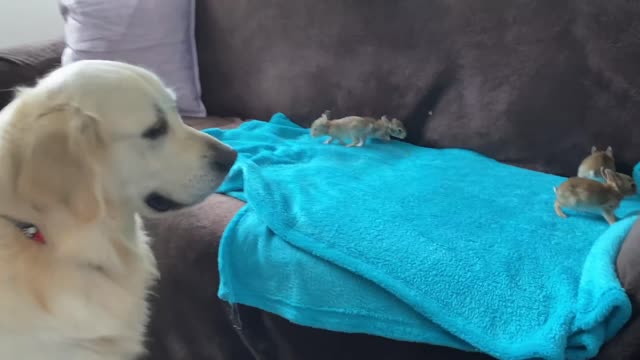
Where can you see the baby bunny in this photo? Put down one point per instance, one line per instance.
(591, 165)
(355, 128)
(589, 195)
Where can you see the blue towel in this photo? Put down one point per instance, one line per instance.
(445, 247)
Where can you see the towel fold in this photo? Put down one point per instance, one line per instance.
(445, 247)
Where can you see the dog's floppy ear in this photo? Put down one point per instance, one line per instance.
(58, 167)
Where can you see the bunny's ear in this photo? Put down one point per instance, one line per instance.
(593, 149)
(609, 151)
(607, 174)
(612, 177)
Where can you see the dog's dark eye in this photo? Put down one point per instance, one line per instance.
(157, 130)
(160, 128)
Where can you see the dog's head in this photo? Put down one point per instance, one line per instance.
(101, 132)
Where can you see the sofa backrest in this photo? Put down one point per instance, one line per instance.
(531, 83)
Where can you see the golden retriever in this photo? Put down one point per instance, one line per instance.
(82, 153)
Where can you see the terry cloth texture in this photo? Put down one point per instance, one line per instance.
(446, 247)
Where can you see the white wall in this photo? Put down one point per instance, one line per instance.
(29, 21)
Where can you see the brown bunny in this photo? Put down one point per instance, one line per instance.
(589, 195)
(355, 128)
(591, 165)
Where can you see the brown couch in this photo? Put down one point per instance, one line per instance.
(531, 83)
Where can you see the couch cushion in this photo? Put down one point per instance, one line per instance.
(155, 34)
(531, 83)
(201, 123)
(628, 264)
(23, 65)
(188, 320)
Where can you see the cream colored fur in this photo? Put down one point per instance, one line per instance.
(74, 162)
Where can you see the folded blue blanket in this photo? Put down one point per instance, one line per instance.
(445, 247)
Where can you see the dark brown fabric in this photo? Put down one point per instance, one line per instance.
(628, 264)
(25, 64)
(532, 83)
(188, 320)
(212, 122)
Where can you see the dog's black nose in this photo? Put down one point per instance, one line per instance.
(223, 158)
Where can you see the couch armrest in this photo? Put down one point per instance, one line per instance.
(23, 65)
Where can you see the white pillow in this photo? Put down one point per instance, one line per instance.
(155, 34)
